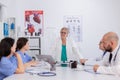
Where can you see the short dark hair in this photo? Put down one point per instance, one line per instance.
(5, 46)
(21, 42)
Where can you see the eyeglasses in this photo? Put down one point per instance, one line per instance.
(63, 32)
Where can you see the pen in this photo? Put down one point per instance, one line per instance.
(46, 72)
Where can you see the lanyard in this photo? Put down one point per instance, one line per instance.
(104, 54)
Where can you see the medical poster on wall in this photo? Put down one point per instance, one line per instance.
(74, 23)
(33, 23)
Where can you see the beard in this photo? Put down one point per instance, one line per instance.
(108, 48)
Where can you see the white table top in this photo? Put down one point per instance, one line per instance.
(65, 73)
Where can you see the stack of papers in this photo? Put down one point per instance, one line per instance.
(40, 72)
(36, 70)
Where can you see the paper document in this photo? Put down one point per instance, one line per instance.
(93, 72)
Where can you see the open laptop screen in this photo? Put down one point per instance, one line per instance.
(47, 58)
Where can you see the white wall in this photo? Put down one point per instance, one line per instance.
(99, 17)
(7, 8)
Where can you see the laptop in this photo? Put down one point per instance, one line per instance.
(47, 58)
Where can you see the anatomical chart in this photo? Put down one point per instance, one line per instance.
(74, 23)
(33, 23)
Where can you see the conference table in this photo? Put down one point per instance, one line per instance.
(65, 73)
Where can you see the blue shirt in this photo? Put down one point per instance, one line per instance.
(25, 58)
(6, 68)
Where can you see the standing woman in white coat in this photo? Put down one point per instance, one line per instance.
(64, 48)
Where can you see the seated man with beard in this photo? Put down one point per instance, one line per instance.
(111, 61)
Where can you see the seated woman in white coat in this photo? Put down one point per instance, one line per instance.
(64, 48)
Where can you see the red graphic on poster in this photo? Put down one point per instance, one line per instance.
(33, 22)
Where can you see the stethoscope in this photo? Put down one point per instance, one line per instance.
(116, 53)
(104, 54)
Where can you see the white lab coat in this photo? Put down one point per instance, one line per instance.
(114, 67)
(71, 49)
